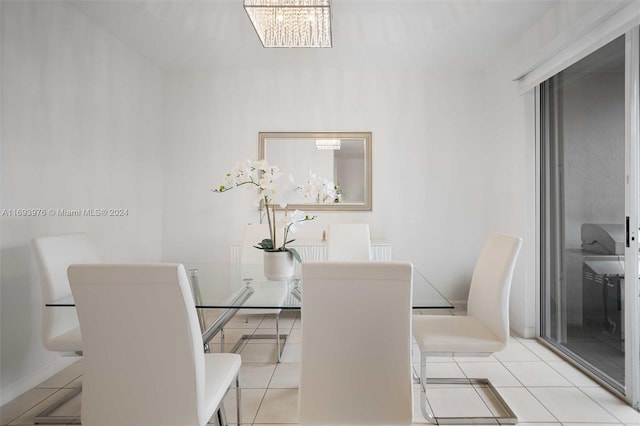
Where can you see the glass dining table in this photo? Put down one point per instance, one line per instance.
(233, 287)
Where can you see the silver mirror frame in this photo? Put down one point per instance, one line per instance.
(366, 205)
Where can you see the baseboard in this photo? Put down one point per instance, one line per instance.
(529, 333)
(11, 391)
(521, 330)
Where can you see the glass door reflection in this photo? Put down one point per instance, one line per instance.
(583, 211)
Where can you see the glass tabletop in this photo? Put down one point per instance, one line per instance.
(243, 286)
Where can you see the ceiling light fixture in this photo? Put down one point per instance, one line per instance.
(291, 23)
(331, 144)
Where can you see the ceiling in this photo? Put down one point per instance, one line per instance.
(204, 34)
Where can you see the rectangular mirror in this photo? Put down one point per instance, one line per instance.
(343, 158)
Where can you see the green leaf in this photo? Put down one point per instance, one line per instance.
(265, 244)
(295, 254)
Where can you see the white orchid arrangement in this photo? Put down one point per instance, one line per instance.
(319, 190)
(272, 190)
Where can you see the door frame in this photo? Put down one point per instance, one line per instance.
(632, 212)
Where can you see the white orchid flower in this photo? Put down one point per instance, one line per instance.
(269, 193)
(296, 216)
(229, 181)
(265, 183)
(261, 165)
(242, 172)
(293, 221)
(273, 174)
(308, 190)
(293, 228)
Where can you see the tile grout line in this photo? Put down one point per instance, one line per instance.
(23, 413)
(267, 387)
(528, 390)
(583, 392)
(573, 385)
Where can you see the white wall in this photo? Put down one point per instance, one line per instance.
(81, 128)
(510, 179)
(429, 154)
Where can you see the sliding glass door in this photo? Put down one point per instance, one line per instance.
(585, 201)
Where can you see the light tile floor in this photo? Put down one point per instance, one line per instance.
(539, 386)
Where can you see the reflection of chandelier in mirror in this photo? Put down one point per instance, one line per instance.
(332, 144)
(291, 23)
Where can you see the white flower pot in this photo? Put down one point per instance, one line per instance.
(278, 265)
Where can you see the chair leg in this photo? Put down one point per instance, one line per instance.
(238, 398)
(278, 337)
(415, 378)
(423, 391)
(221, 416)
(509, 419)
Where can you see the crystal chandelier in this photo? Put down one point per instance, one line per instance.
(328, 144)
(291, 23)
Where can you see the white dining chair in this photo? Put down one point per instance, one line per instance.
(54, 254)
(253, 234)
(482, 332)
(144, 362)
(60, 328)
(356, 343)
(348, 242)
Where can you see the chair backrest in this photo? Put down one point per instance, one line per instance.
(491, 283)
(143, 351)
(54, 254)
(356, 343)
(253, 234)
(348, 242)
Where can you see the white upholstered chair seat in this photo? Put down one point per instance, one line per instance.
(69, 341)
(220, 369)
(459, 334)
